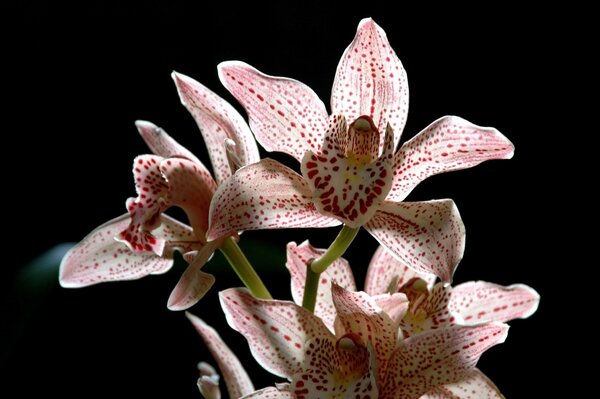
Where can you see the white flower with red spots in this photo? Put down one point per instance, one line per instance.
(351, 174)
(371, 345)
(143, 241)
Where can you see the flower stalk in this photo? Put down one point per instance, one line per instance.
(242, 267)
(320, 264)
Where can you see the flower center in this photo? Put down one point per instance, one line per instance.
(362, 141)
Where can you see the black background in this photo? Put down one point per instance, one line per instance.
(76, 78)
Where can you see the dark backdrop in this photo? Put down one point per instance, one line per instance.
(75, 80)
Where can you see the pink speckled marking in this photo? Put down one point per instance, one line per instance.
(284, 114)
(427, 236)
(437, 357)
(161, 144)
(339, 272)
(387, 273)
(450, 143)
(218, 121)
(271, 393)
(263, 195)
(347, 177)
(99, 257)
(237, 380)
(370, 80)
(474, 385)
(480, 302)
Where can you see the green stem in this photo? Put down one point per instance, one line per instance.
(244, 269)
(319, 265)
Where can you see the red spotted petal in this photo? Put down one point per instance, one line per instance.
(145, 210)
(428, 236)
(161, 144)
(438, 357)
(475, 385)
(339, 272)
(371, 80)
(218, 121)
(99, 257)
(264, 195)
(344, 187)
(190, 187)
(479, 302)
(271, 393)
(450, 143)
(341, 368)
(387, 273)
(359, 314)
(194, 283)
(427, 310)
(285, 115)
(277, 331)
(237, 380)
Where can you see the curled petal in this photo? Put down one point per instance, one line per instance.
(277, 331)
(237, 380)
(359, 314)
(450, 143)
(344, 187)
(339, 272)
(438, 357)
(218, 121)
(145, 210)
(285, 115)
(99, 257)
(395, 305)
(161, 144)
(481, 302)
(370, 80)
(208, 383)
(194, 283)
(387, 273)
(264, 195)
(191, 187)
(474, 385)
(428, 236)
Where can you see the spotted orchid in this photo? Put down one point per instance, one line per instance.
(350, 172)
(144, 240)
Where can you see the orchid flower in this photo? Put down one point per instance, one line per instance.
(433, 306)
(143, 241)
(350, 173)
(417, 304)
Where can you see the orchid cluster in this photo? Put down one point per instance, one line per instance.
(409, 333)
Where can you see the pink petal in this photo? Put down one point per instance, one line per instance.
(145, 210)
(191, 187)
(438, 357)
(194, 283)
(395, 305)
(285, 115)
(359, 314)
(218, 121)
(237, 380)
(428, 236)
(371, 80)
(387, 273)
(277, 331)
(339, 272)
(479, 302)
(450, 143)
(161, 144)
(344, 187)
(264, 195)
(336, 369)
(99, 257)
(270, 393)
(474, 385)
